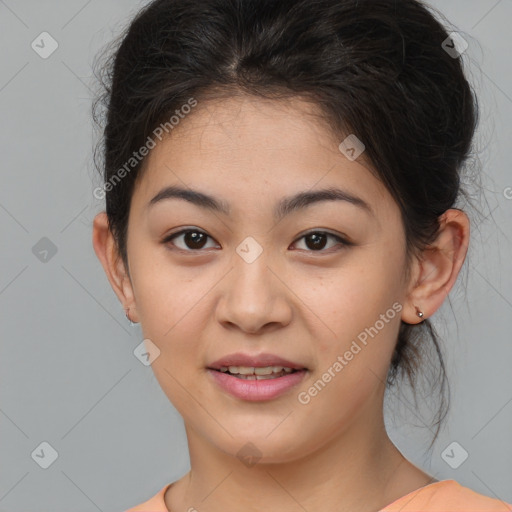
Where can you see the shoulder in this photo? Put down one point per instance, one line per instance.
(443, 496)
(447, 496)
(458, 497)
(154, 504)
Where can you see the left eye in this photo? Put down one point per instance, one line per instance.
(194, 240)
(317, 240)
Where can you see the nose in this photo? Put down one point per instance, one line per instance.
(254, 298)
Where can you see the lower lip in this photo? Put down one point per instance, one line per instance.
(256, 390)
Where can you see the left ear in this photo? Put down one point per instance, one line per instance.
(437, 268)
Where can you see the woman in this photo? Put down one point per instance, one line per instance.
(280, 183)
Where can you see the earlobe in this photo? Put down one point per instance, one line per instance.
(106, 251)
(438, 267)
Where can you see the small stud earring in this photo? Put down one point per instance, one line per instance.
(127, 316)
(418, 312)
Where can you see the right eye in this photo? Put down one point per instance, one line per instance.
(193, 239)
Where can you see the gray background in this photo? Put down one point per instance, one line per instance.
(69, 376)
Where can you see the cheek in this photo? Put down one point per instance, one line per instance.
(355, 305)
(167, 295)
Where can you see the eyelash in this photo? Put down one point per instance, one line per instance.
(340, 239)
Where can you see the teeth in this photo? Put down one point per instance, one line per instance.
(245, 370)
(251, 371)
(267, 370)
(260, 377)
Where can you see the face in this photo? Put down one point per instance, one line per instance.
(320, 286)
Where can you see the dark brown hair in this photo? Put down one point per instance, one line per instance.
(375, 68)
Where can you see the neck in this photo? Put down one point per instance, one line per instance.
(356, 469)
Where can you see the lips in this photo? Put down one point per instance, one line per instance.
(280, 375)
(256, 361)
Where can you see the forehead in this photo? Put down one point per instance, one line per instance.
(255, 123)
(245, 145)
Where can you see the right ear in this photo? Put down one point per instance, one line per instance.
(106, 250)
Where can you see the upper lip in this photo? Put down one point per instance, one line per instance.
(257, 361)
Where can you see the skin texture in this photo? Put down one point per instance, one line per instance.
(298, 302)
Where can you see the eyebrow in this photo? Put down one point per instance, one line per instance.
(285, 207)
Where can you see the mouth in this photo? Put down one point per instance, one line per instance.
(257, 373)
(256, 377)
(262, 364)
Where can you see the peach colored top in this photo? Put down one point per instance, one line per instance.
(442, 496)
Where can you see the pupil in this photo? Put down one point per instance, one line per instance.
(191, 239)
(315, 237)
